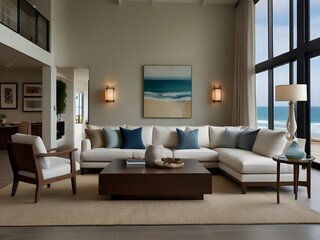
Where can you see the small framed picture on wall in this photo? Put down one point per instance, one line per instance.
(32, 89)
(8, 96)
(32, 104)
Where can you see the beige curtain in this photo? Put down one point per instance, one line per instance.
(244, 102)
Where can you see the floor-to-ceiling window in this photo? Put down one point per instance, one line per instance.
(288, 51)
(315, 105)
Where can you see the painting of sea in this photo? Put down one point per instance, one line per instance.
(167, 91)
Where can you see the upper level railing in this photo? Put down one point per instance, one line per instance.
(24, 19)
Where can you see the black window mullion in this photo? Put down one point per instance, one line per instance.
(303, 73)
(270, 100)
(270, 71)
(291, 25)
(270, 29)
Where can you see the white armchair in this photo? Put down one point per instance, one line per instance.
(32, 163)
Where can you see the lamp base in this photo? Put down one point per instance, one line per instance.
(291, 123)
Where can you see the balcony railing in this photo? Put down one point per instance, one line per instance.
(24, 19)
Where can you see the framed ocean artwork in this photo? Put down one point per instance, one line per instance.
(167, 91)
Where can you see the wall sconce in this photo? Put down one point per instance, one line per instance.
(109, 94)
(217, 94)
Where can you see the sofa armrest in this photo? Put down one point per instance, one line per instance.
(85, 144)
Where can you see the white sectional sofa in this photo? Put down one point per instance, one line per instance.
(248, 167)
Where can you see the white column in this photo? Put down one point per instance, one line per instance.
(49, 116)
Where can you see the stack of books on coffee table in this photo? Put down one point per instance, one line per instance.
(135, 162)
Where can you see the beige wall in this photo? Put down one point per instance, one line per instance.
(116, 41)
(21, 76)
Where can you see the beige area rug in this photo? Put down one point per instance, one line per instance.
(58, 206)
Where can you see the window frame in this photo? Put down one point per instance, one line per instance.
(304, 51)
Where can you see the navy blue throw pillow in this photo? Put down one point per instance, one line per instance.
(247, 138)
(132, 139)
(188, 139)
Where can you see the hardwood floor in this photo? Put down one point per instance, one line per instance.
(192, 232)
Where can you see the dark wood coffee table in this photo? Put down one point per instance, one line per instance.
(139, 182)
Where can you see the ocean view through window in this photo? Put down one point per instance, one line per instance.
(288, 52)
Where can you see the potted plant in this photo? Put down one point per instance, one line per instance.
(2, 118)
(61, 106)
(61, 98)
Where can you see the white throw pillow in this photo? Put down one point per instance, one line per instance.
(146, 134)
(166, 136)
(216, 134)
(269, 143)
(38, 146)
(203, 135)
(94, 127)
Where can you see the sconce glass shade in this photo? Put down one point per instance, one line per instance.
(217, 94)
(109, 94)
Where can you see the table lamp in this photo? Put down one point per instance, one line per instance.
(291, 93)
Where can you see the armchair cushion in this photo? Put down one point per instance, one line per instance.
(58, 167)
(37, 142)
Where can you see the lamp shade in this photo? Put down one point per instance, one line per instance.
(217, 94)
(109, 94)
(291, 92)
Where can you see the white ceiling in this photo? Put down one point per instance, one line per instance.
(200, 2)
(15, 59)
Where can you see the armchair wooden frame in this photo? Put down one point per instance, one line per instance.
(23, 158)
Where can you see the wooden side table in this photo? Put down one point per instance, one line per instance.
(296, 163)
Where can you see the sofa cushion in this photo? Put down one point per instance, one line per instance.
(216, 134)
(203, 135)
(188, 139)
(146, 134)
(230, 138)
(131, 139)
(269, 143)
(140, 153)
(38, 144)
(248, 162)
(112, 138)
(247, 139)
(201, 155)
(166, 136)
(96, 137)
(105, 154)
